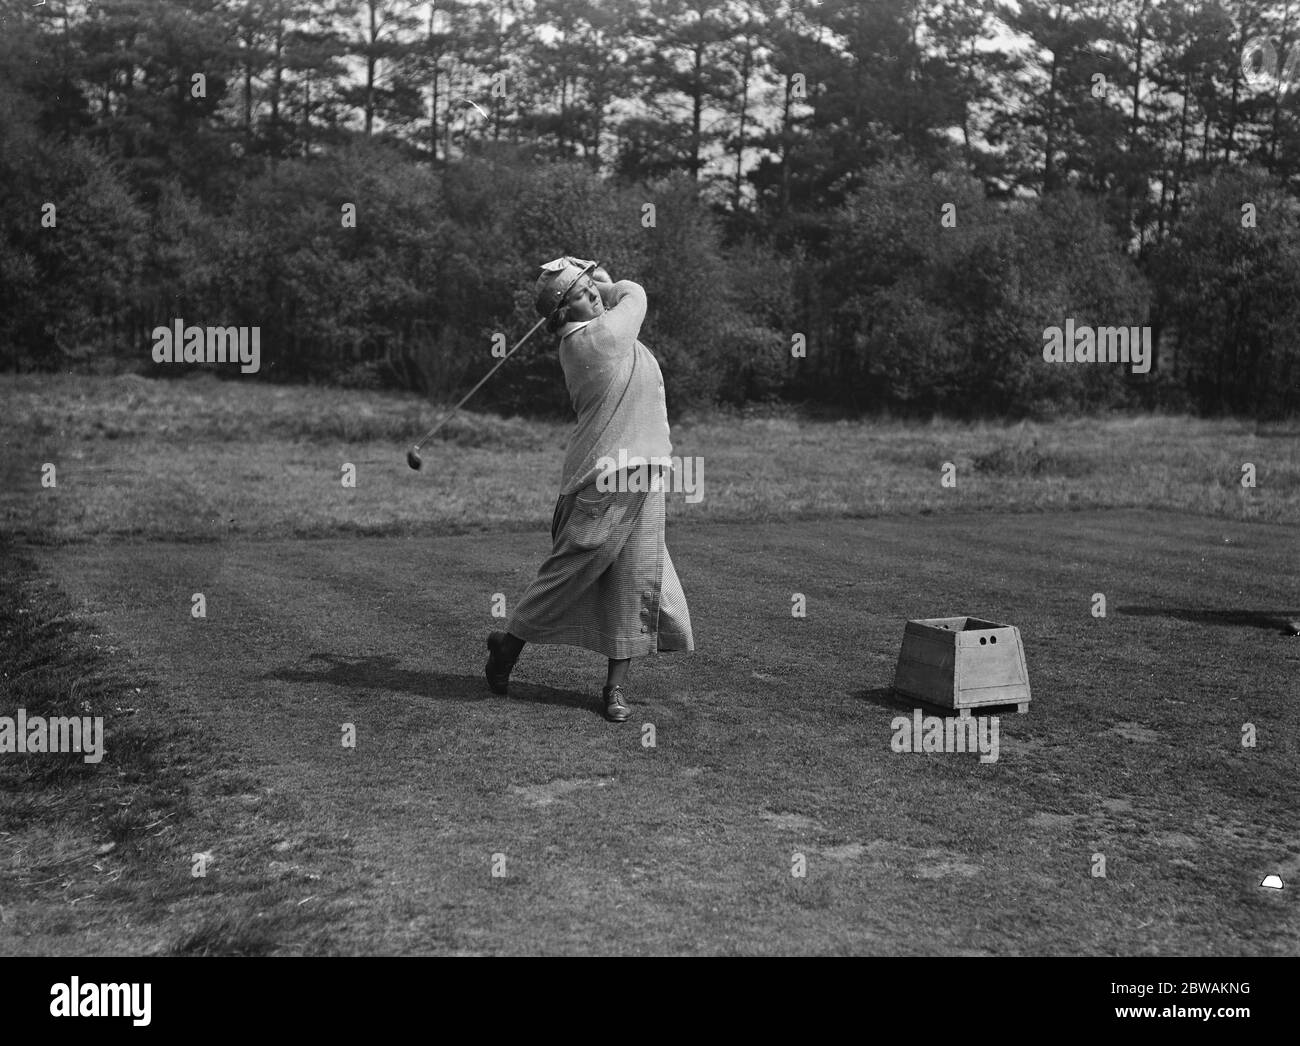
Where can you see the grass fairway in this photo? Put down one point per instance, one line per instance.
(772, 739)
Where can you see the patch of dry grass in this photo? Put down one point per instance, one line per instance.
(96, 858)
(203, 459)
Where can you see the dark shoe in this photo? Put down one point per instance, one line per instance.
(498, 666)
(616, 708)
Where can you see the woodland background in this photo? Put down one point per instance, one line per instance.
(799, 157)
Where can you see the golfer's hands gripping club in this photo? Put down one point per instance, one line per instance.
(598, 274)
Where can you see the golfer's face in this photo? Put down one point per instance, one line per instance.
(584, 301)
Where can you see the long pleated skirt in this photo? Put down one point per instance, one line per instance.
(609, 584)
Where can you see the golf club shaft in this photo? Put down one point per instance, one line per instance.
(446, 417)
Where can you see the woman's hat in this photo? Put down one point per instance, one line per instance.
(557, 279)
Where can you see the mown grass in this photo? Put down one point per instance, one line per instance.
(203, 459)
(773, 738)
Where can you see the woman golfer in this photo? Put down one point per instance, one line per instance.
(609, 583)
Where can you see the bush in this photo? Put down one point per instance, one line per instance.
(910, 314)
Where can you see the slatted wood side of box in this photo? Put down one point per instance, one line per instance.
(962, 663)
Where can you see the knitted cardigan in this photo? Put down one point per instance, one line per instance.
(616, 389)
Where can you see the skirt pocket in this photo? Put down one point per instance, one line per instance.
(593, 502)
(591, 520)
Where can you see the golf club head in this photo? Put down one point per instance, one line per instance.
(413, 459)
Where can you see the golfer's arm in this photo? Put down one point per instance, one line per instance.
(627, 308)
(606, 291)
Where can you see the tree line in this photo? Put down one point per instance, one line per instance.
(867, 204)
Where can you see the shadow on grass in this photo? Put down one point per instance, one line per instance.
(885, 697)
(1287, 622)
(381, 672)
(888, 698)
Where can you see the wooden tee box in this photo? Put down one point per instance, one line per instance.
(962, 663)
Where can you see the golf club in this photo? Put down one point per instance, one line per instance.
(413, 455)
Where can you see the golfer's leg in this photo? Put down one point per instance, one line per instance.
(617, 673)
